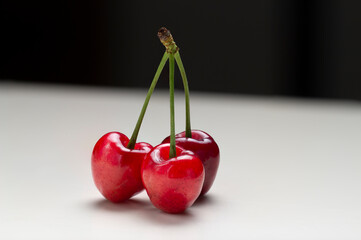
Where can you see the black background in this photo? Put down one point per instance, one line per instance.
(272, 47)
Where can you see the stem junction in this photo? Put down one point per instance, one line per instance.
(167, 40)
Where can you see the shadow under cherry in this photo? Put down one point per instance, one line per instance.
(147, 212)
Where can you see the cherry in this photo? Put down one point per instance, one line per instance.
(172, 184)
(204, 146)
(115, 168)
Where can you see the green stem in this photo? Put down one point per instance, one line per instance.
(133, 139)
(172, 151)
(186, 91)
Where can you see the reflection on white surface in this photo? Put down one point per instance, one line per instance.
(289, 169)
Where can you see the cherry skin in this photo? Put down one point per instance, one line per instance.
(115, 168)
(172, 184)
(204, 146)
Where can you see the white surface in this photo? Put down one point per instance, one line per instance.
(290, 169)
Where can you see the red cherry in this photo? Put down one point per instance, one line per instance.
(115, 168)
(204, 146)
(172, 184)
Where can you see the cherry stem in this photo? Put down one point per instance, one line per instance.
(186, 91)
(133, 139)
(172, 151)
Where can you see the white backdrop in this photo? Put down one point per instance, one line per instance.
(290, 169)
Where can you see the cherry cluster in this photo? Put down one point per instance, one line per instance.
(174, 173)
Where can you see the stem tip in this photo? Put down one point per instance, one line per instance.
(167, 40)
